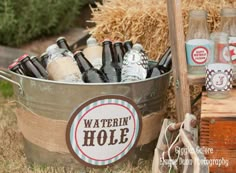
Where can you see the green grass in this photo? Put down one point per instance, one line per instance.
(6, 89)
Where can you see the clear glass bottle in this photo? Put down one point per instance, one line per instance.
(135, 64)
(61, 66)
(219, 74)
(93, 52)
(228, 25)
(197, 42)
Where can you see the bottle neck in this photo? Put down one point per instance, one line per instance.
(119, 51)
(197, 28)
(83, 63)
(166, 61)
(32, 70)
(164, 57)
(128, 45)
(107, 53)
(62, 43)
(228, 25)
(33, 59)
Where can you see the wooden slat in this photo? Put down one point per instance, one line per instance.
(218, 132)
(177, 40)
(218, 107)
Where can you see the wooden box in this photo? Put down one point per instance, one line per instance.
(218, 132)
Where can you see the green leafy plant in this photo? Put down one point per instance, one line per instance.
(23, 20)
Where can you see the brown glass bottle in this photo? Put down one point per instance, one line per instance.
(15, 67)
(62, 43)
(109, 64)
(119, 52)
(21, 66)
(29, 67)
(44, 59)
(165, 63)
(153, 71)
(39, 66)
(128, 45)
(89, 73)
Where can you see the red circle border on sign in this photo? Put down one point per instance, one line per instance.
(85, 115)
(86, 103)
(198, 48)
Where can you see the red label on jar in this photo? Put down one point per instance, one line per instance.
(232, 49)
(199, 55)
(223, 53)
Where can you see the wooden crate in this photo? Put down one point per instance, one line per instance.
(218, 132)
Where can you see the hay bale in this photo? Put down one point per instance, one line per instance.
(146, 22)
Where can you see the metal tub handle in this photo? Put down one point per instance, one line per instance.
(5, 75)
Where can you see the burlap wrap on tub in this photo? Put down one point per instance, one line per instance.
(50, 133)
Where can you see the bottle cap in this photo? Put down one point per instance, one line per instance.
(138, 47)
(228, 12)
(116, 43)
(106, 41)
(43, 56)
(198, 13)
(127, 41)
(52, 48)
(128, 44)
(11, 66)
(60, 38)
(92, 41)
(78, 51)
(23, 57)
(32, 57)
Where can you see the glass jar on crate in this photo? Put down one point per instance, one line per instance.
(228, 25)
(219, 73)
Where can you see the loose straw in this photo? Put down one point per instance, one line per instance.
(145, 21)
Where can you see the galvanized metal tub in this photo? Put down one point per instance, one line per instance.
(54, 102)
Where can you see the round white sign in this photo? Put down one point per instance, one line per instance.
(103, 130)
(200, 55)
